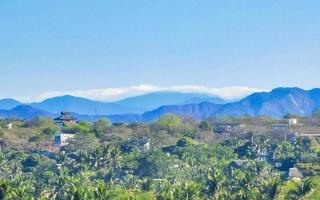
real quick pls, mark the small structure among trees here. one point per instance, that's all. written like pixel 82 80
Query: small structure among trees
pixel 64 119
pixel 62 139
pixel 294 174
pixel 226 127
pixel 140 144
pixel 293 121
pixel 236 164
pixel 9 126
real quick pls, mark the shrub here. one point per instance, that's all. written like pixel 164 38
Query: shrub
pixel 185 141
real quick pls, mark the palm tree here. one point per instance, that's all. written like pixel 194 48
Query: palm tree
pixel 5 187
pixel 80 193
pixel 60 185
pixel 115 158
pixel 299 192
pixel 167 191
pixel 263 146
pixel 20 189
pixel 188 191
pixel 220 194
pixel 269 188
pixel 243 185
pixel 101 191
pixel 215 179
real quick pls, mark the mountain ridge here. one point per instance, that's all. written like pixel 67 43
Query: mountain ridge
pixel 8 103
pixel 276 103
pixel 136 105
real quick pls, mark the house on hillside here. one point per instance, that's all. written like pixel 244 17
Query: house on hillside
pixel 294 174
pixel 236 164
pixel 226 127
pixel 284 130
pixel 293 121
pixel 62 139
pixel 64 119
pixel 10 126
pixel 140 144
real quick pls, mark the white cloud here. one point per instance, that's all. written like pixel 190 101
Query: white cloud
pixel 113 94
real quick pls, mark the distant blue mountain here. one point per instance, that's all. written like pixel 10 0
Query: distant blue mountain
pixel 24 112
pixel 154 100
pixel 124 118
pixel 83 106
pixel 7 104
pixel 135 105
pixel 276 103
pixel 196 111
pixel 214 100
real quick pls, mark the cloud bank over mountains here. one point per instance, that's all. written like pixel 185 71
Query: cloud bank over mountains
pixel 114 94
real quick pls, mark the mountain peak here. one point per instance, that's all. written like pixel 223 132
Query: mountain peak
pixel 26 108
pixel 8 103
pixel 287 90
pixel 275 103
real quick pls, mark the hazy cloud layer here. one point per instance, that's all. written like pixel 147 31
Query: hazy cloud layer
pixel 113 94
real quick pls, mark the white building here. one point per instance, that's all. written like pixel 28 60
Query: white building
pixel 294 174
pixel 293 121
pixel 62 139
pixel 9 126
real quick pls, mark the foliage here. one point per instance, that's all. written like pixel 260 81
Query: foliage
pixel 39 122
pixel 205 125
pixel 185 141
pixel 1 132
pixel 158 161
pixel 82 127
pixel 100 126
pixel 170 122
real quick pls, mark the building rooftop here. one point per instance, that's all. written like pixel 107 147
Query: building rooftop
pixel 65 116
pixel 280 126
pixel 232 124
pixel 295 173
pixel 238 163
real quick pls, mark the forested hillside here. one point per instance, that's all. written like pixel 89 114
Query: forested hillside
pixel 171 158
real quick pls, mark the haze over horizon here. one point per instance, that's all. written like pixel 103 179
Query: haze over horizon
pixel 82 47
pixel 228 94
pixel 115 94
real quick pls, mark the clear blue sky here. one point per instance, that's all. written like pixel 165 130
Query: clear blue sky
pixel 50 45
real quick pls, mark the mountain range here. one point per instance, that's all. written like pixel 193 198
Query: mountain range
pixel 136 105
pixel 276 103
pixel 24 112
pixel 7 104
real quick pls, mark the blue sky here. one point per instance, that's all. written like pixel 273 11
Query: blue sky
pixel 48 45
